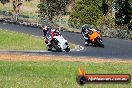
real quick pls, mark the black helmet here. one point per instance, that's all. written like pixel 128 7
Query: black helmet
pixel 83 28
pixel 86 26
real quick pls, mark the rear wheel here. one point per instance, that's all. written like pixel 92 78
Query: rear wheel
pixel 55 46
pixel 99 43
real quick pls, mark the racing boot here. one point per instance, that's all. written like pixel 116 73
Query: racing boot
pixel 86 43
pixel 49 47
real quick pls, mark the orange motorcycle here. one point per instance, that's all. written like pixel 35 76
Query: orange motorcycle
pixel 95 39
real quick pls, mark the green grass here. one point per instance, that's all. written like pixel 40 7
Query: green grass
pixel 56 74
pixel 10 40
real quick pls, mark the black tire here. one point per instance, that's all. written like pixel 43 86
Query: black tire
pixel 55 46
pixel 49 49
pixel 67 49
pixel 81 80
pixel 99 43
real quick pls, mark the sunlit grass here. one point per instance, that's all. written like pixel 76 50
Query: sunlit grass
pixel 10 40
pixel 56 74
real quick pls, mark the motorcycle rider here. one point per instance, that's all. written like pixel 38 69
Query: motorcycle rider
pixel 45 30
pixel 48 34
pixel 86 29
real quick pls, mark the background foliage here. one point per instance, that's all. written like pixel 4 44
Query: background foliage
pixel 4 1
pixel 51 8
pixel 86 11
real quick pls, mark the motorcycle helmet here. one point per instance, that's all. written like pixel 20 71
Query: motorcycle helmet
pixel 83 28
pixel 55 32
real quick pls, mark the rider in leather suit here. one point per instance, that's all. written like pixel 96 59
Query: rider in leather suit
pixel 85 30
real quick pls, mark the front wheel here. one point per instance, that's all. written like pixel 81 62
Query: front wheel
pixel 67 49
pixel 99 41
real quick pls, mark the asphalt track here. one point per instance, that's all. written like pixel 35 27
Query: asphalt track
pixel 114 48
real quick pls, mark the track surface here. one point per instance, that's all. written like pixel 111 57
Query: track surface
pixel 114 48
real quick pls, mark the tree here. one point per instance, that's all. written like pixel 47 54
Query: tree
pixel 123 14
pixel 51 8
pixel 4 1
pixel 28 0
pixel 105 7
pixel 86 11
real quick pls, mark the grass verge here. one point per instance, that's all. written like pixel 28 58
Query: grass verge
pixel 10 40
pixel 56 74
